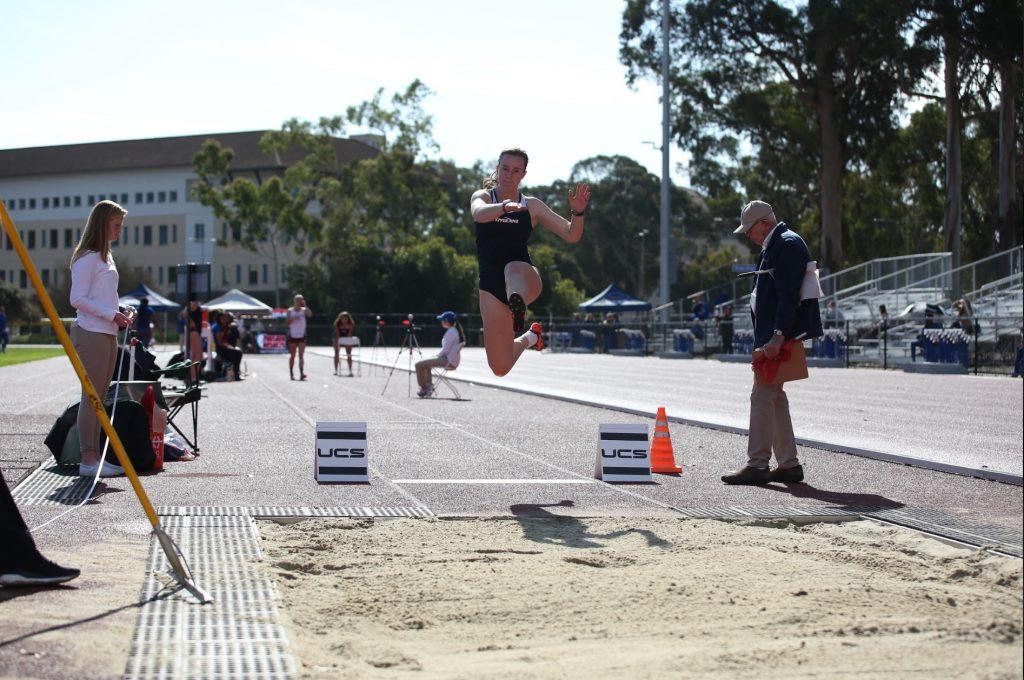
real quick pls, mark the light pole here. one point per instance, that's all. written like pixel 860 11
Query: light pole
pixel 642 289
pixel 663 289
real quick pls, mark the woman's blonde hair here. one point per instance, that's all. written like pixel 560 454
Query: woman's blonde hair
pixel 344 315
pixel 94 237
pixel 491 180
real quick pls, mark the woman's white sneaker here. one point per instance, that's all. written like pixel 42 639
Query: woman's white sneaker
pixel 109 470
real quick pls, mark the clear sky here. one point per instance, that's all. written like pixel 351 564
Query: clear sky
pixel 541 74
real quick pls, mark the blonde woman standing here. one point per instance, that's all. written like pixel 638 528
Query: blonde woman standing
pixel 94 332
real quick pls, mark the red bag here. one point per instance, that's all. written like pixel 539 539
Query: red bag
pixel 157 423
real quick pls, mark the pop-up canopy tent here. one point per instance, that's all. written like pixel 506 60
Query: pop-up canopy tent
pixel 157 302
pixel 238 302
pixel 614 299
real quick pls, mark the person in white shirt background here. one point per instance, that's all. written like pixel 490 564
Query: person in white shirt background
pixel 448 357
pixel 297 316
pixel 94 331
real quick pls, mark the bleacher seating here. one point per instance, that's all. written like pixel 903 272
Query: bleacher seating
pixel 683 340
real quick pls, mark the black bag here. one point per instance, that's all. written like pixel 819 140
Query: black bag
pixel 145 364
pixel 131 423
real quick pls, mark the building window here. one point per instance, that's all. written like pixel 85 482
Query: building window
pixel 54 242
pixel 138 197
pixel 200 231
pixel 46 201
pixel 264 273
pixel 32 239
pixel 101 197
pixel 78 235
pixel 78 201
pixel 174 196
pixel 236 232
pixel 3 275
pixel 223 231
pixel 238 273
pixel 22 279
pixel 67 201
pixel 44 241
pixel 172 275
pixel 136 234
pixel 174 233
pixel 254 276
pixel 92 200
pixel 32 203
pixel 149 197
pixel 147 235
pixel 46 277
pixel 68 236
pixel 124 199
pixel 55 202
pixel 161 197
pixel 163 235
pixel 21 204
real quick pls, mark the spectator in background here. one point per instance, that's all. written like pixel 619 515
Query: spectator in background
pixel 964 315
pixel 725 328
pixel 451 346
pixel 144 323
pixel 194 342
pixel 929 320
pixel 700 309
pixel 4 338
pixel 224 339
pixel 297 315
pixel 344 336
pixel 833 315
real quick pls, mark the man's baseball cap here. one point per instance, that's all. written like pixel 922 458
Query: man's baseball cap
pixel 446 316
pixel 752 212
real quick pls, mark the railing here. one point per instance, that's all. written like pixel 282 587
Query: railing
pixel 848 278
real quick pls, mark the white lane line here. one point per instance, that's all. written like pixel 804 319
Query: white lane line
pixel 517 452
pixel 43 401
pixel 312 423
pixel 494 481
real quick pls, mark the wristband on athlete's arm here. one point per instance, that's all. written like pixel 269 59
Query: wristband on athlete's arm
pixel 504 205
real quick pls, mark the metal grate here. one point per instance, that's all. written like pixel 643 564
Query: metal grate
pixel 54 485
pixel 260 512
pixel 239 635
pixel 1003 539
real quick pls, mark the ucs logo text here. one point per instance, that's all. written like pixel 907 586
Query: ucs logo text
pixel 623 453
pixel 341 453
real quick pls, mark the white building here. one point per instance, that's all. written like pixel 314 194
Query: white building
pixel 50 190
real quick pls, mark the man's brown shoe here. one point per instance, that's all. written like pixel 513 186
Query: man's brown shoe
pixel 789 475
pixel 748 476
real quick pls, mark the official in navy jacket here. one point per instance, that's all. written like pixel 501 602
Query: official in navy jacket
pixel 778 315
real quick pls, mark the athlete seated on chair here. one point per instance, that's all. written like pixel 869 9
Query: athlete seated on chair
pixel 448 357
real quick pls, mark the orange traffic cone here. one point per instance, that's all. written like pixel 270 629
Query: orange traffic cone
pixel 662 460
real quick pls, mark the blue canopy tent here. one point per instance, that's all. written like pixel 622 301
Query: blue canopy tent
pixel 614 299
pixel 157 302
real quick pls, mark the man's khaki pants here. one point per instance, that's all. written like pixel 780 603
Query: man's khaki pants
pixel 770 428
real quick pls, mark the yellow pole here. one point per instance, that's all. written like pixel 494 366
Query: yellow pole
pixel 76 362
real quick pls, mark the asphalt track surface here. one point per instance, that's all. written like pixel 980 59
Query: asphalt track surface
pixel 968 421
pixel 499 453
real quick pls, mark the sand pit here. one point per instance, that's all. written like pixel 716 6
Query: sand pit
pixel 640 598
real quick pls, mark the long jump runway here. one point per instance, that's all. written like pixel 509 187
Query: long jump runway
pixel 495 454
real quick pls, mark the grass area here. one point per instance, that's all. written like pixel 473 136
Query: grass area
pixel 21 355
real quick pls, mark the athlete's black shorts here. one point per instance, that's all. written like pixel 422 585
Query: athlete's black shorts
pixel 492 277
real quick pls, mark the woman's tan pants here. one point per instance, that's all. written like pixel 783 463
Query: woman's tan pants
pixel 98 352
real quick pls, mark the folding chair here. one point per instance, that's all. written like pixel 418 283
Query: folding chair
pixel 439 376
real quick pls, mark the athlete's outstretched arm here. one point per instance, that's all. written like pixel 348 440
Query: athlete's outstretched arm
pixel 569 230
pixel 485 211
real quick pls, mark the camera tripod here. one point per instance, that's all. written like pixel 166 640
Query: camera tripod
pixel 378 343
pixel 408 342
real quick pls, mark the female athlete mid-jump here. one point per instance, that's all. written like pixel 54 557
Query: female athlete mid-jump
pixel 504 220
